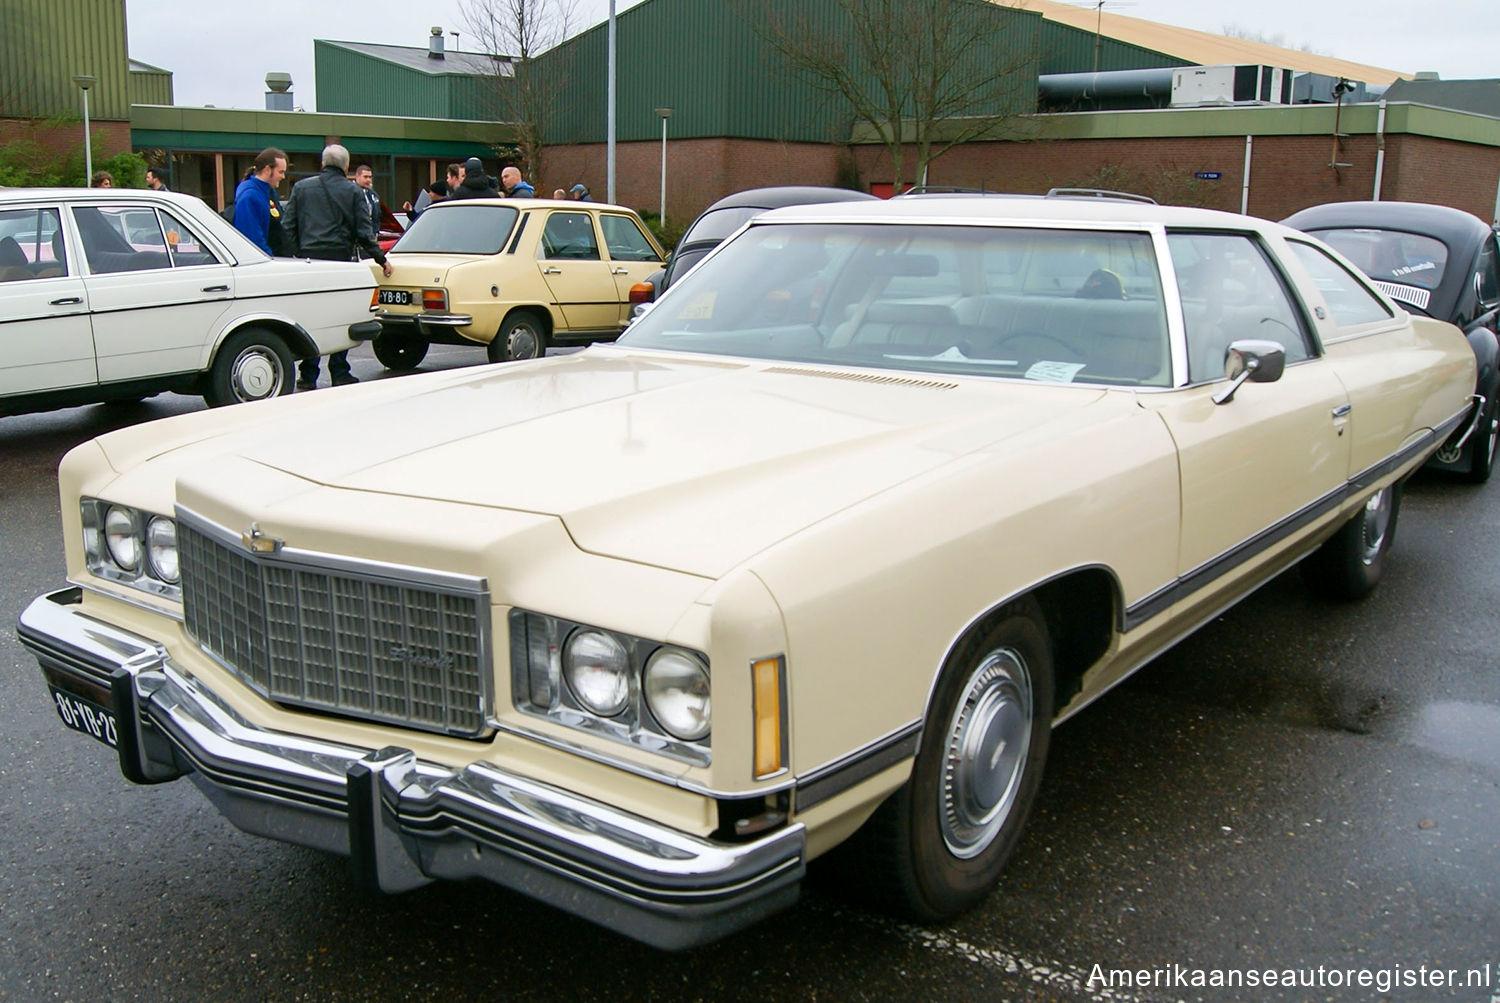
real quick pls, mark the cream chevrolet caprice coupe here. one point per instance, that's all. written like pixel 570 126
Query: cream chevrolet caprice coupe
pixel 823 548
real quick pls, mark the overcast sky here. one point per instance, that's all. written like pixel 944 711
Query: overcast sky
pixel 218 58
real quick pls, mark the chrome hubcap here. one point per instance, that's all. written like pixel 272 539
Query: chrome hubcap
pixel 256 374
pixel 1377 520
pixel 985 752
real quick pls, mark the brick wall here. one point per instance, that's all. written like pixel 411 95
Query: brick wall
pixel 109 138
pixel 1287 173
pixel 699 171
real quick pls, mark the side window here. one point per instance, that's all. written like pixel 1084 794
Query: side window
pixel 1349 300
pixel 31 245
pixel 121 239
pixel 183 245
pixel 625 240
pixel 1230 293
pixel 1489 274
pixel 569 236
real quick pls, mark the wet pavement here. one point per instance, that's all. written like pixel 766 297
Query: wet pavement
pixel 1299 786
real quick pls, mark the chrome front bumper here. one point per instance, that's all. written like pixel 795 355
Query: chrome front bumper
pixel 404 822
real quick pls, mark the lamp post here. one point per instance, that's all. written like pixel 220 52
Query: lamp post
pixel 665 114
pixel 84 82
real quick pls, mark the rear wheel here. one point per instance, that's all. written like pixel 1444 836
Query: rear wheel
pixel 1350 563
pixel 251 365
pixel 522 335
pixel 400 352
pixel 945 836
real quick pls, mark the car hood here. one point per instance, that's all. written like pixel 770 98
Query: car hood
pixel 674 461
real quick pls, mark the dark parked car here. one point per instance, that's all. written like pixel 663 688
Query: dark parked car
pixel 724 217
pixel 1434 261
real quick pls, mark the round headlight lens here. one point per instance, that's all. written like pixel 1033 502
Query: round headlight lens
pixel 597 671
pixel 122 537
pixel 161 548
pixel 677 692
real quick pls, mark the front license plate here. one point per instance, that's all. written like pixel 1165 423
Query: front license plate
pixel 395 297
pixel 85 716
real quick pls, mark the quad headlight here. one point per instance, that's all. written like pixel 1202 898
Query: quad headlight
pixel 132 547
pixel 629 689
pixel 597 671
pixel 676 685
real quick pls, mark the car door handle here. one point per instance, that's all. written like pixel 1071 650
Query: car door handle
pixel 216 289
pixel 1342 411
pixel 622 271
pixel 549 270
pixel 67 301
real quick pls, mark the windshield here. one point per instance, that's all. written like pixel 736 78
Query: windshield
pixel 1049 305
pixel 459 229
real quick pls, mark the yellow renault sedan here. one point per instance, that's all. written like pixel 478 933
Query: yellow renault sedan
pixel 512 275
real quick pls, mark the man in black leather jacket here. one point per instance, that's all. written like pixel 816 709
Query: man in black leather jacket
pixel 327 218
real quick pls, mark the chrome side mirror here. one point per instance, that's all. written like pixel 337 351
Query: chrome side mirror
pixel 1250 359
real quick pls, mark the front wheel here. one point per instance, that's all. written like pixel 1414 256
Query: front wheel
pixel 522 335
pixel 1482 444
pixel 1350 563
pixel 399 352
pixel 945 836
pixel 251 365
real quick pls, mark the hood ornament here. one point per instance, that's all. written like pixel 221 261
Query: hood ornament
pixel 259 543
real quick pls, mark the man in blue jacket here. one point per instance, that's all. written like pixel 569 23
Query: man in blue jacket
pixel 255 198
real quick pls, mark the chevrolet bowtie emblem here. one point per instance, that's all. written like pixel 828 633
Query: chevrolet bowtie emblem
pixel 259 543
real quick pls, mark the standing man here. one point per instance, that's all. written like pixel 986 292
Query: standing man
pixel 326 219
pixel 516 186
pixel 475 184
pixel 156 179
pixel 364 176
pixel 256 196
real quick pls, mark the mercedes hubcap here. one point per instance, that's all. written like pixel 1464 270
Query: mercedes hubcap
pixel 256 375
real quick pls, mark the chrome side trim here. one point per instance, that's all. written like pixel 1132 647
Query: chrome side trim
pixel 1217 567
pixel 403 821
pixel 832 779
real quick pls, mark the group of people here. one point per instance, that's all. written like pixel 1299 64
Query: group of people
pixel 327 216
pixel 468 180
pixel 155 179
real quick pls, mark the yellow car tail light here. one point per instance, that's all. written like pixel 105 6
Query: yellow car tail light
pixel 434 299
pixel 770 734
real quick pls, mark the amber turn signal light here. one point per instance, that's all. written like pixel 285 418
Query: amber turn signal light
pixel 434 299
pixel 642 292
pixel 770 737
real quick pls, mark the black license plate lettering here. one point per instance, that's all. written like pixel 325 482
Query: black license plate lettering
pixel 86 716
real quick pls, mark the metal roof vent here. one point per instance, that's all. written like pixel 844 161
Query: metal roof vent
pixel 278 92
pixel 435 43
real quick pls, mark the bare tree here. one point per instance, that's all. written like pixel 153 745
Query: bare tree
pixel 924 74
pixel 1277 39
pixel 524 91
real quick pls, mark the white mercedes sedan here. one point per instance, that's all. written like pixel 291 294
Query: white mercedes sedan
pixel 109 294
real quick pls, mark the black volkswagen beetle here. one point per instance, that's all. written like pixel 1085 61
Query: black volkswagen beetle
pixel 724 217
pixel 1436 262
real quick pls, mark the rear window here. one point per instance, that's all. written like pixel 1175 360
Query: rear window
pixel 459 229
pixel 1411 259
pixel 719 224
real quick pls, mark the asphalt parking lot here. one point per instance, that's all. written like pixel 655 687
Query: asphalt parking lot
pixel 1300 788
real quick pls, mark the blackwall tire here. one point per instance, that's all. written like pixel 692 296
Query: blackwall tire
pixel 943 839
pixel 399 353
pixel 251 365
pixel 1350 564
pixel 522 335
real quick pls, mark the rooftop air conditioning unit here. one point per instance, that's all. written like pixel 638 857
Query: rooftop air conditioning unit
pixel 1220 85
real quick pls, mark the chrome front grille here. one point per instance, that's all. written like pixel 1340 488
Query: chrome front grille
pixel 326 633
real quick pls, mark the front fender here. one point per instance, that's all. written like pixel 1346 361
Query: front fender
pixel 1486 347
